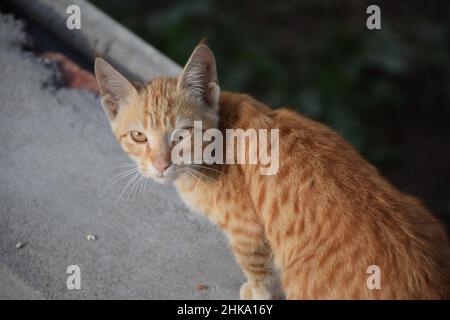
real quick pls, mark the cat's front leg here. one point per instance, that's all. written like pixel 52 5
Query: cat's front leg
pixel 253 254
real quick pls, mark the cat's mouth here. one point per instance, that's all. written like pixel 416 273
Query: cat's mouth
pixel 164 179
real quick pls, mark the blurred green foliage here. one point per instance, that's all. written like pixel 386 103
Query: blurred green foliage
pixel 386 91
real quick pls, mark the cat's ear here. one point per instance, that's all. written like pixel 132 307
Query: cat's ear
pixel 199 77
pixel 115 89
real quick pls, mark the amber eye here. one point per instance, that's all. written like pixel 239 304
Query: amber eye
pixel 138 136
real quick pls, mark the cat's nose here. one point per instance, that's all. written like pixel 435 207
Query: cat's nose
pixel 161 166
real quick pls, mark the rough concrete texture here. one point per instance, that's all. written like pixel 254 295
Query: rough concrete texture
pixel 57 155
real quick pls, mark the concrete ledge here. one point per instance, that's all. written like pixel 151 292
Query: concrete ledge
pixel 99 36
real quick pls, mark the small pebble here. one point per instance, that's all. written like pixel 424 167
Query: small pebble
pixel 201 287
pixel 91 237
pixel 20 245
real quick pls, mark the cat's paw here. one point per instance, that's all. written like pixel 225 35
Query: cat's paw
pixel 254 291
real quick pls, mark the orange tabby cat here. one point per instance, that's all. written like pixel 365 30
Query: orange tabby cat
pixel 323 219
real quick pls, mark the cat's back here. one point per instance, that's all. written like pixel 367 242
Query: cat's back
pixel 336 187
pixel 393 228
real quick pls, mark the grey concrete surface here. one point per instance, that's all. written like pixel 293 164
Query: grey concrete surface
pixel 57 155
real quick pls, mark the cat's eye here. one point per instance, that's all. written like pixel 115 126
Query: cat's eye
pixel 137 136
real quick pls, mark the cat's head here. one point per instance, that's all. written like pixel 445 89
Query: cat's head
pixel 144 120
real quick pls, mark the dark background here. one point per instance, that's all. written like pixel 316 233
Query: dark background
pixel 386 91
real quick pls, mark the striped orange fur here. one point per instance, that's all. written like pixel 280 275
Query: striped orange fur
pixel 322 220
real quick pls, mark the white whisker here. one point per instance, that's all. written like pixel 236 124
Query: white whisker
pixel 193 174
pixel 132 190
pixel 187 179
pixel 118 177
pixel 144 184
pixel 125 166
pixel 204 175
pixel 132 179
pixel 208 168
pixel 141 182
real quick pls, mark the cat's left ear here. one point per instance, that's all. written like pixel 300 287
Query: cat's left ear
pixel 199 77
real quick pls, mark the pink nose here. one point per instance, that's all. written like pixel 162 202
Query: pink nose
pixel 161 166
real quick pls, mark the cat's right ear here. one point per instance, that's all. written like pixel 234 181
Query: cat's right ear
pixel 115 89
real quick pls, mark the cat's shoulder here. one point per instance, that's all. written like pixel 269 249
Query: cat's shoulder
pixel 245 111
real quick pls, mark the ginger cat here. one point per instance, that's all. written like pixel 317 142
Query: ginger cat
pixel 322 220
